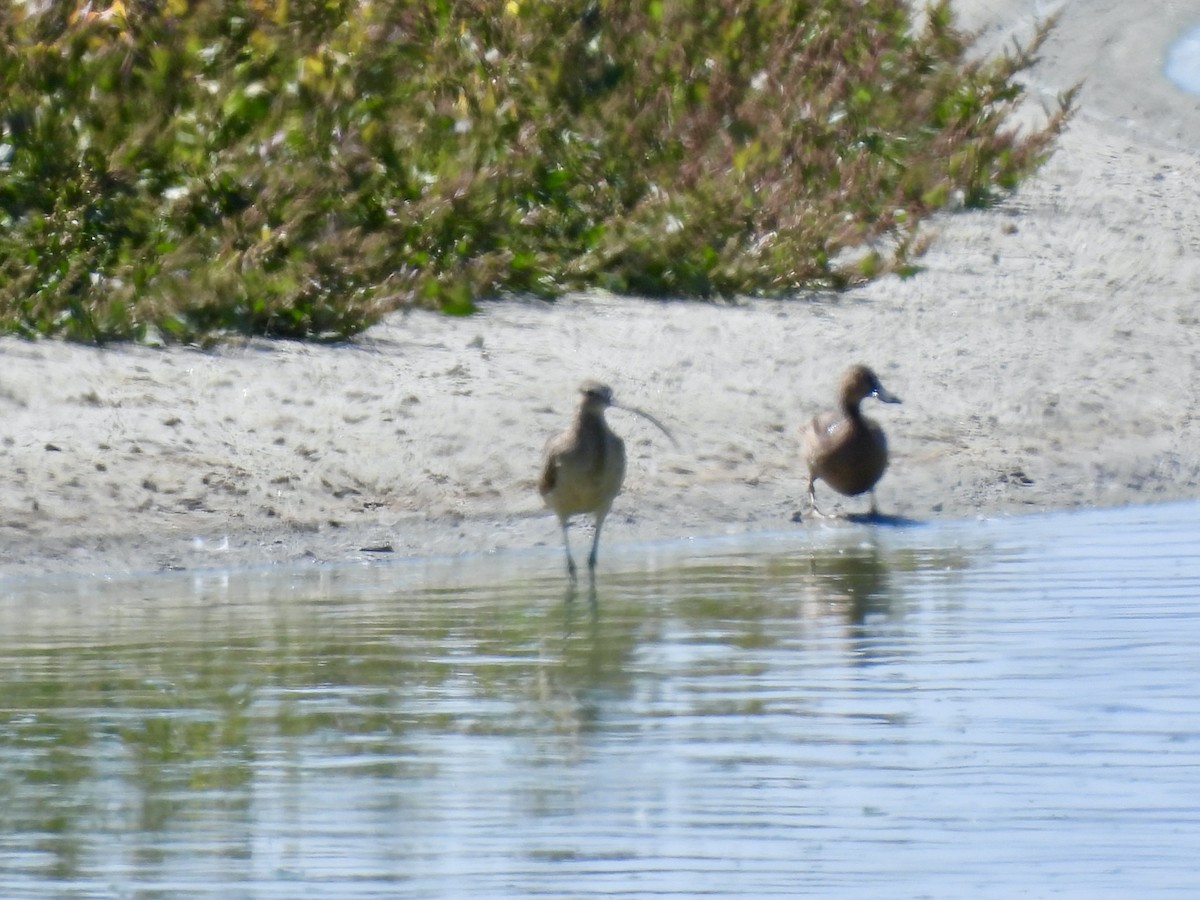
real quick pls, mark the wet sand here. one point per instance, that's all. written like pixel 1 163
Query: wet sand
pixel 1047 355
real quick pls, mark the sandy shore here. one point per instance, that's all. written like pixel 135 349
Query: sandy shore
pixel 1047 355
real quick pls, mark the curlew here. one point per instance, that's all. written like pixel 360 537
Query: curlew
pixel 584 466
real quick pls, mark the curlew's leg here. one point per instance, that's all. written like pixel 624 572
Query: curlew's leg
pixel 567 547
pixel 596 543
pixel 812 497
pixel 874 508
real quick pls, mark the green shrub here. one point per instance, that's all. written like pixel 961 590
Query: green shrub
pixel 299 168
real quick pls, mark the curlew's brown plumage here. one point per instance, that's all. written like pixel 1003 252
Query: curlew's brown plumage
pixel 584 466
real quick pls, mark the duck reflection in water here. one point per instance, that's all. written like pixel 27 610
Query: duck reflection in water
pixel 856 581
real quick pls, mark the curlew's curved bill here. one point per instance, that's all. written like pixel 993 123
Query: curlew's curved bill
pixel 649 418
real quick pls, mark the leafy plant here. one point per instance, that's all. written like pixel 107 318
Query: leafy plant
pixel 299 168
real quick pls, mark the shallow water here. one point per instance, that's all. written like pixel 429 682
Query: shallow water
pixel 994 709
pixel 1182 64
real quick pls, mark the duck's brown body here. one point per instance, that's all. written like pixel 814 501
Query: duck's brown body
pixel 844 448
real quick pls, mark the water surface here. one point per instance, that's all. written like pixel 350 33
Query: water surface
pixel 1182 64
pixel 990 709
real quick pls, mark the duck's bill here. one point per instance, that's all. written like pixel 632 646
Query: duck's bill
pixel 649 418
pixel 885 396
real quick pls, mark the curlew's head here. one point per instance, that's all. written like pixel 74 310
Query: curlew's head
pixel 595 396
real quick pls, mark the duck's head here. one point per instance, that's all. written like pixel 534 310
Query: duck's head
pixel 859 383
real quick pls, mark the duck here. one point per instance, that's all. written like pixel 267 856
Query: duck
pixel 844 448
pixel 583 467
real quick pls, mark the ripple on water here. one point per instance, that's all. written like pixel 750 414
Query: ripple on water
pixel 994 708
pixel 1182 65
